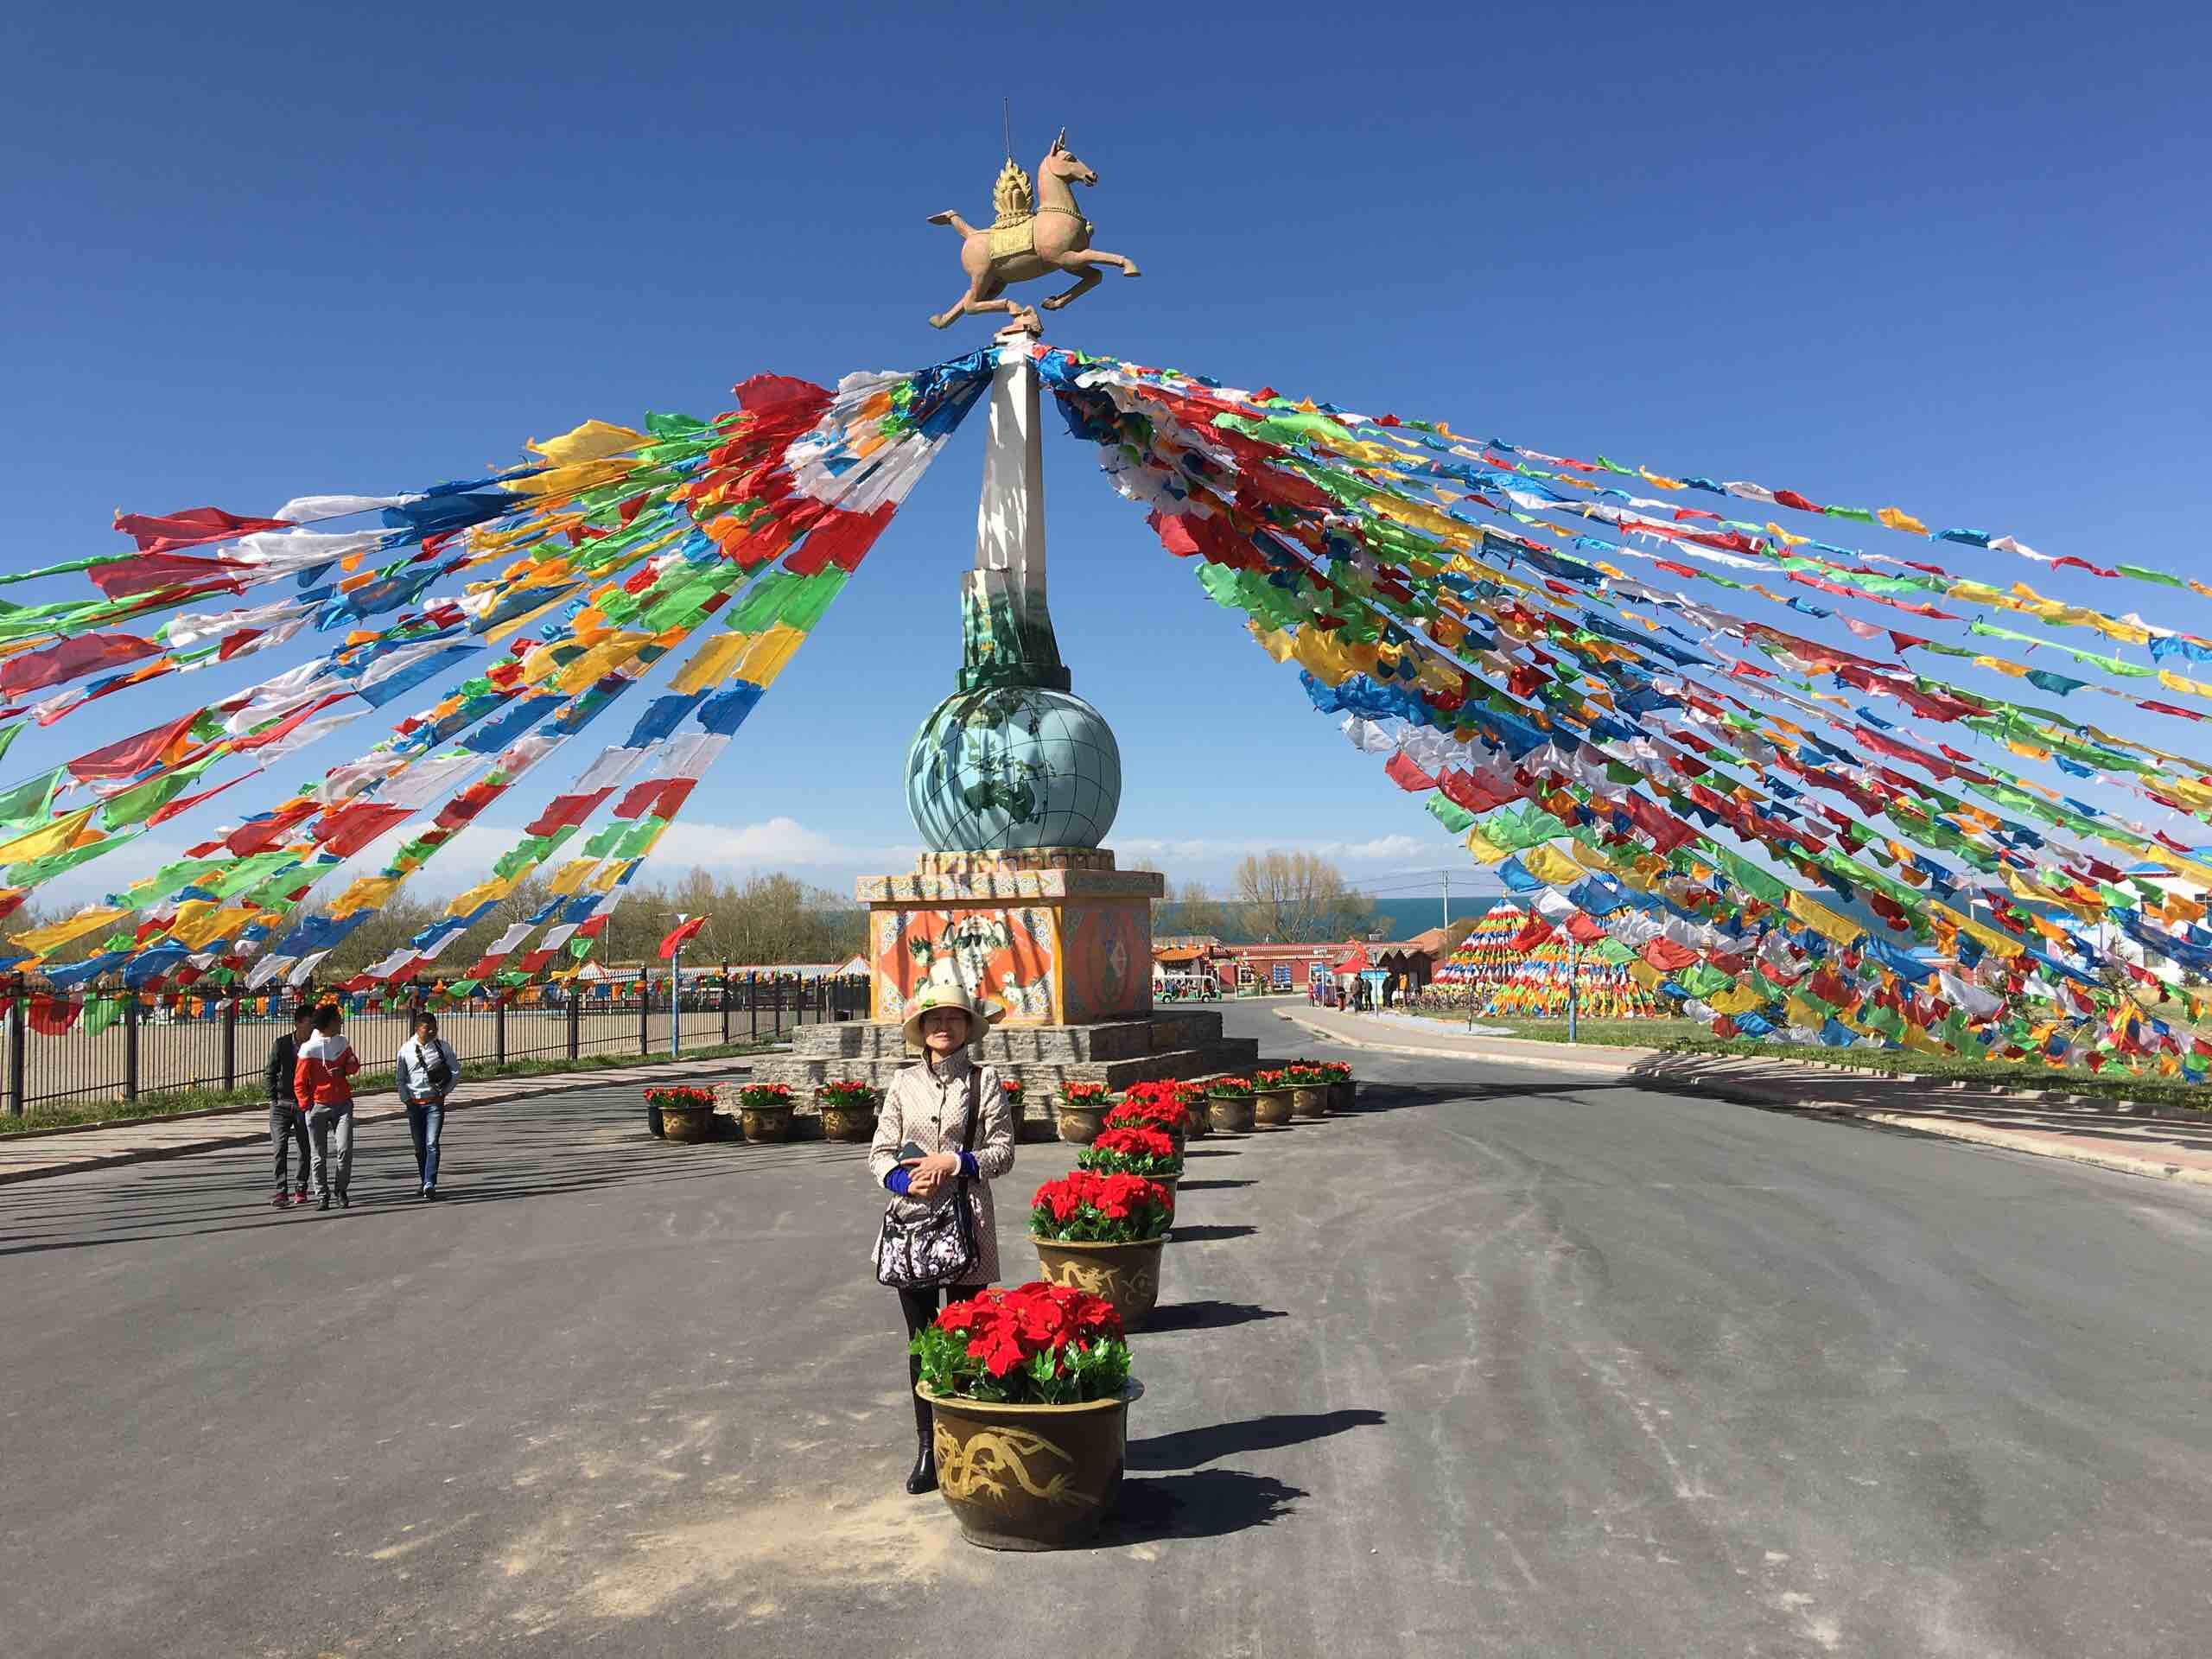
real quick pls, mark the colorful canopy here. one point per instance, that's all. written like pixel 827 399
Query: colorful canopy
pixel 1730 748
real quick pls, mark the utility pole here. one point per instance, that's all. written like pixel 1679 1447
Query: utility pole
pixel 1447 874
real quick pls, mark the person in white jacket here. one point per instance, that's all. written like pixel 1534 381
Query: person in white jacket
pixel 429 1069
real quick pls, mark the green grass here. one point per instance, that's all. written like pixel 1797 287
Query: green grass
pixel 177 1102
pixel 1690 1037
pixel 1992 1074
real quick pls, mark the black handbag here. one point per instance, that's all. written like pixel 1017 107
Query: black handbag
pixel 939 1247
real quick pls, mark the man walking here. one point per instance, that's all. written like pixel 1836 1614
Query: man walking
pixel 288 1122
pixel 429 1068
pixel 321 1075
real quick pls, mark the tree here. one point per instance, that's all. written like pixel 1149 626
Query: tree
pixel 1197 911
pixel 1298 898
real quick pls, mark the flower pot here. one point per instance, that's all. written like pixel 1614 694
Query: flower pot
pixel 1271 1107
pixel 1168 1181
pixel 654 1127
pixel 1080 1124
pixel 1310 1101
pixel 764 1124
pixel 1201 1124
pixel 1340 1094
pixel 1029 1477
pixel 848 1122
pixel 686 1122
pixel 1126 1275
pixel 1230 1114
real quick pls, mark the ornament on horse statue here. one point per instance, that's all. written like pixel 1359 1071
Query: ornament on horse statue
pixel 1030 238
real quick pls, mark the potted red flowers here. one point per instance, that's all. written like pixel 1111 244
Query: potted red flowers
pixel 765 1108
pixel 679 1113
pixel 1155 1106
pixel 1145 1151
pixel 1193 1096
pixel 848 1108
pixel 1342 1089
pixel 1083 1107
pixel 1271 1098
pixel 1228 1104
pixel 1029 1394
pixel 1102 1234
pixel 1309 1088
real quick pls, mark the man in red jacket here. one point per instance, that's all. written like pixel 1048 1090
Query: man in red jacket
pixel 327 1061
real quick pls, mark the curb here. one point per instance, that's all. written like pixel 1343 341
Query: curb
pixel 2036 1143
pixel 255 1138
pixel 1592 1065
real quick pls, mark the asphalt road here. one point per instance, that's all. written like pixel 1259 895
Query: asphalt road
pixel 1501 1364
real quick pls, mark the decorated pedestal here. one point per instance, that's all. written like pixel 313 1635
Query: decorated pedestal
pixel 1056 935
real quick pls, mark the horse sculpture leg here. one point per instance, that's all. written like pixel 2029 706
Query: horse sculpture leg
pixel 971 306
pixel 1099 256
pixel 1087 279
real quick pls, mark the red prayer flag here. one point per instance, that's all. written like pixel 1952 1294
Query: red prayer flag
pixel 678 935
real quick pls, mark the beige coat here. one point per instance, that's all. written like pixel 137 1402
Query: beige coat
pixel 931 1111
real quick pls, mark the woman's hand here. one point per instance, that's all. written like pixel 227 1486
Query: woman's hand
pixel 931 1175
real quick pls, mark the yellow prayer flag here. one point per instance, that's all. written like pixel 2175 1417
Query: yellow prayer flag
pixel 1822 920
pixel 1898 519
pixel 769 651
pixel 57 835
pixel 43 941
pixel 710 665
pixel 592 441
pixel 367 893
pixel 1484 849
pixel 1551 867
pixel 571 876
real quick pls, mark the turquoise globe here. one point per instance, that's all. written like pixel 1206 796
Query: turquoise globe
pixel 1010 765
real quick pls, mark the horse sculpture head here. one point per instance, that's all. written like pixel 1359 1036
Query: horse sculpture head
pixel 1063 163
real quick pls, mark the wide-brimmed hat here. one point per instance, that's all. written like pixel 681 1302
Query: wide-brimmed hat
pixel 942 994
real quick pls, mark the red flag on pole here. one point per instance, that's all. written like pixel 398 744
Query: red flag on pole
pixel 685 927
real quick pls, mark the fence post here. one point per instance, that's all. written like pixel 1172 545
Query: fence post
pixel 575 1007
pixel 130 1044
pixel 777 1030
pixel 725 1005
pixel 645 1018
pixel 499 1029
pixel 752 1005
pixel 15 1031
pixel 230 1041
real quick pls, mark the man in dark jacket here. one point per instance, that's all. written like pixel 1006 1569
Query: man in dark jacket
pixel 288 1121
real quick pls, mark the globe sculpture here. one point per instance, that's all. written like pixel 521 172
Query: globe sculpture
pixel 1013 766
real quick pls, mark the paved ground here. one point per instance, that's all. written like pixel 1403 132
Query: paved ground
pixel 40 1156
pixel 1513 1363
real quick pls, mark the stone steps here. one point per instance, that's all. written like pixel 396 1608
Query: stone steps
pixel 1039 1080
pixel 1015 1046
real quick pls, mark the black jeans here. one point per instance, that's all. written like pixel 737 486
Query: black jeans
pixel 920 1307
pixel 288 1129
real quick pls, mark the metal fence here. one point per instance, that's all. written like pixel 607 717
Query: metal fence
pixel 125 1044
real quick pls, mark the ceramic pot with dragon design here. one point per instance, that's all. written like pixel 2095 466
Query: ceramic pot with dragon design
pixel 1126 1275
pixel 1028 1477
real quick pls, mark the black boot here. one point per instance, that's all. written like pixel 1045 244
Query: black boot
pixel 922 1477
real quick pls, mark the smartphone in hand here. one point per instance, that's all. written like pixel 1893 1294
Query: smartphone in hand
pixel 911 1154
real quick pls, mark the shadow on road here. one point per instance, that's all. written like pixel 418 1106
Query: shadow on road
pixel 1206 1234
pixel 1209 1187
pixel 1207 1316
pixel 1187 1448
pixel 1206 1503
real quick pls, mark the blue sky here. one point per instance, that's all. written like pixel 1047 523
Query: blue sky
pixel 1952 258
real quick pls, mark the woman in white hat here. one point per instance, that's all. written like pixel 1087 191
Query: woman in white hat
pixel 926 1112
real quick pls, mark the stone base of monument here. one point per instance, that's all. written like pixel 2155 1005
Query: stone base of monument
pixel 1116 1053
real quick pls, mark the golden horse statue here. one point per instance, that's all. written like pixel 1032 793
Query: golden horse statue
pixel 1030 238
